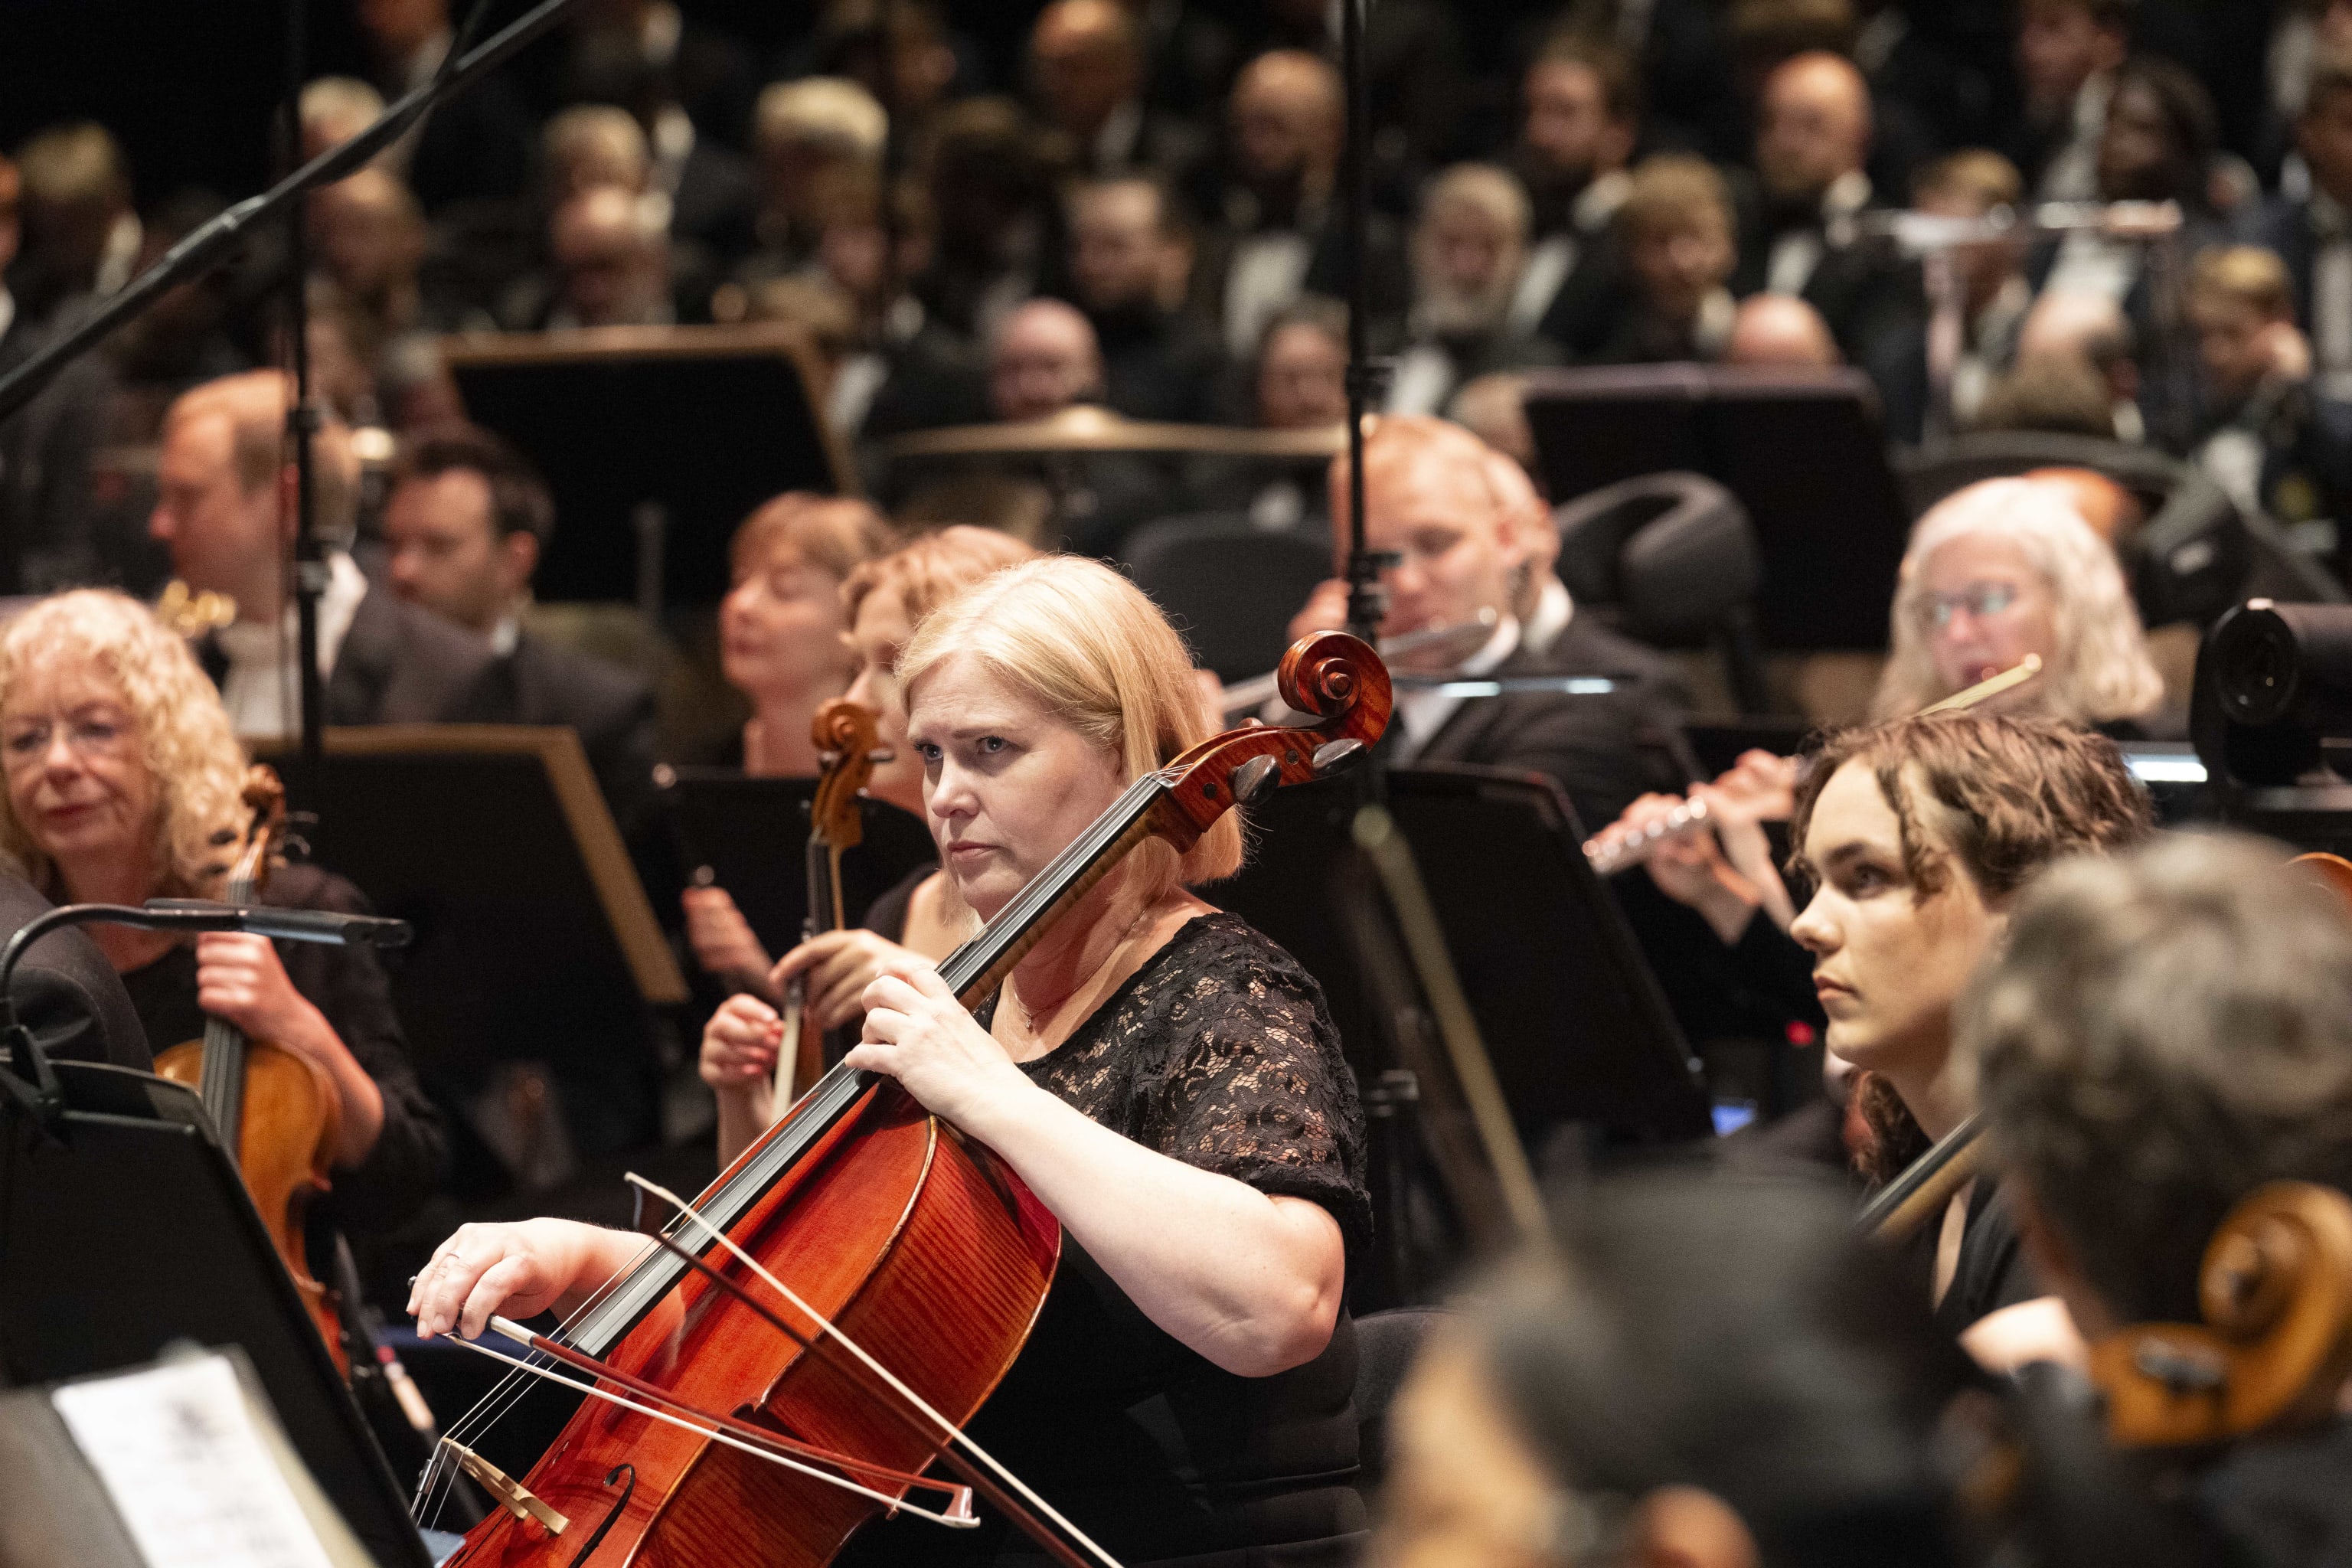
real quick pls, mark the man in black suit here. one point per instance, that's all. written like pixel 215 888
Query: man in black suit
pixel 47 526
pixel 1130 269
pixel 466 521
pixel 223 509
pixel 1582 123
pixel 2313 235
pixel 1813 141
pixel 1466 524
pixel 66 993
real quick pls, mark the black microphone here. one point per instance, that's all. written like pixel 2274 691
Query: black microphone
pixel 325 926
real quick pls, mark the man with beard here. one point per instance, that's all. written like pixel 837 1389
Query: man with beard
pixel 1131 268
pixel 1469 252
pixel 1812 139
pixel 1277 232
pixel 1583 118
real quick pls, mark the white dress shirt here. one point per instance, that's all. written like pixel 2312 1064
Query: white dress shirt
pixel 261 692
pixel 1423 713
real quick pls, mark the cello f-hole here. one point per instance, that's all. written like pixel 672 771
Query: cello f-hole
pixel 628 1490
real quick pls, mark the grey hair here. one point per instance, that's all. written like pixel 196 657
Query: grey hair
pixel 2101 669
pixel 2164 1031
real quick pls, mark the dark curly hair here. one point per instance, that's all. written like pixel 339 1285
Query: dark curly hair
pixel 1998 797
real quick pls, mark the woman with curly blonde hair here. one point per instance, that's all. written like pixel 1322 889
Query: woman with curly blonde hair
pixel 123 782
pixel 2006 568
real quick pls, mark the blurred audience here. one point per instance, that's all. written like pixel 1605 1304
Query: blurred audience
pixel 1675 225
pixel 1130 271
pixel 1469 251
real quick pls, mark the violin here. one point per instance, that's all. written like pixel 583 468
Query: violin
pixel 800 1341
pixel 2276 1289
pixel 275 1108
pixel 843 732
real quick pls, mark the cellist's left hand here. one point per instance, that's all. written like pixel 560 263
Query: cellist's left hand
pixel 917 1032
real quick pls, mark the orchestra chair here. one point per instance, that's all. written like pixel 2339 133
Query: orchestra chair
pixel 1229 587
pixel 1387 1343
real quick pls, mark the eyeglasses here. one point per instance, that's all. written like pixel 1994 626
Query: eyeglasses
pixel 26 742
pixel 1980 600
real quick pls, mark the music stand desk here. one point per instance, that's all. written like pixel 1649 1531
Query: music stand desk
pixel 132 1230
pixel 703 422
pixel 1801 449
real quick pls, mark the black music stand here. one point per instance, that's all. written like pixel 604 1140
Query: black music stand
pixel 1802 450
pixel 131 1230
pixel 699 424
pixel 753 834
pixel 1570 1013
pixel 534 937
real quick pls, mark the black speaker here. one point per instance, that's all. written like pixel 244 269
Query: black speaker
pixel 2274 682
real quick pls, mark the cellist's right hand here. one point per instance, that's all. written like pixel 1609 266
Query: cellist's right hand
pixel 517 1270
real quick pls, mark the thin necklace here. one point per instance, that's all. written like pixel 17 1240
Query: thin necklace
pixel 1029 1019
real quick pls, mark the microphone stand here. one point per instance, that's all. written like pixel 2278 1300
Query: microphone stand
pixel 211 244
pixel 302 429
pixel 1366 603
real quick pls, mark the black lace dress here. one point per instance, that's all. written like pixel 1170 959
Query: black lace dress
pixel 1217 1052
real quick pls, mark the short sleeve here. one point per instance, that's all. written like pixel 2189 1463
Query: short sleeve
pixel 1256 1087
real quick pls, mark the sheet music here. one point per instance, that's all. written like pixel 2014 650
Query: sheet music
pixel 177 1452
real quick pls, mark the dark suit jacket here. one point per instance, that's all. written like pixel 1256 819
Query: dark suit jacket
pixel 398 665
pixel 611 709
pixel 48 525
pixel 66 992
pixel 1603 750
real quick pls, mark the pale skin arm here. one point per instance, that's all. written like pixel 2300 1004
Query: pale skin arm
pixel 240 981
pixel 1251 1282
pixel 740 1042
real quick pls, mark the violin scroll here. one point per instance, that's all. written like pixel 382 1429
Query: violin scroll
pixel 1335 677
pixel 844 734
pixel 2277 1343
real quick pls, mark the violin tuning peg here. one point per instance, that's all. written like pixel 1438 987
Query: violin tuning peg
pixel 1254 778
pixel 1333 755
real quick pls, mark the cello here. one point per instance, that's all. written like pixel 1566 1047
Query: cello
pixel 843 732
pixel 275 1108
pixel 903 1266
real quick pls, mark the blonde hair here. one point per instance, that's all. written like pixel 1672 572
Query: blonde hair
pixel 2100 669
pixel 1089 646
pixel 184 733
pixel 928 571
pixel 2247 275
pixel 835 534
pixel 828 112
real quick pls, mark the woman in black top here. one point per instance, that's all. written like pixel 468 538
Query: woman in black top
pixel 123 781
pixel 1165 1080
pixel 1916 834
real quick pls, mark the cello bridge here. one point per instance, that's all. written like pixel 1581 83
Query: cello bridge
pixel 508 1492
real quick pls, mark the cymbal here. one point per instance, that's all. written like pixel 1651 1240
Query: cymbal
pixel 1087 429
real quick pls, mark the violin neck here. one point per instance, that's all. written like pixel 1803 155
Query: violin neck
pixel 222 1083
pixel 824 911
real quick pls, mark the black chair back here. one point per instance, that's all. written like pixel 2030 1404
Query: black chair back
pixel 1230 588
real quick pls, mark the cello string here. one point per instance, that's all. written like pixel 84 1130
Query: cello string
pixel 948 1429
pixel 716 1435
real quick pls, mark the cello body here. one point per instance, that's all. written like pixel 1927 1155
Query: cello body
pixel 921 1247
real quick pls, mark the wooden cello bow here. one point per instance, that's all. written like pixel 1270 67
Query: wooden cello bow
pixel 859 1280
pixel 277 1109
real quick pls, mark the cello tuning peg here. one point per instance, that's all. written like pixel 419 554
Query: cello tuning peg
pixel 1333 755
pixel 1253 778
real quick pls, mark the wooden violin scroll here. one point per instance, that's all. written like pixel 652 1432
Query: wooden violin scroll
pixel 2277 1343
pixel 1335 678
pixel 845 735
pixel 2330 871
